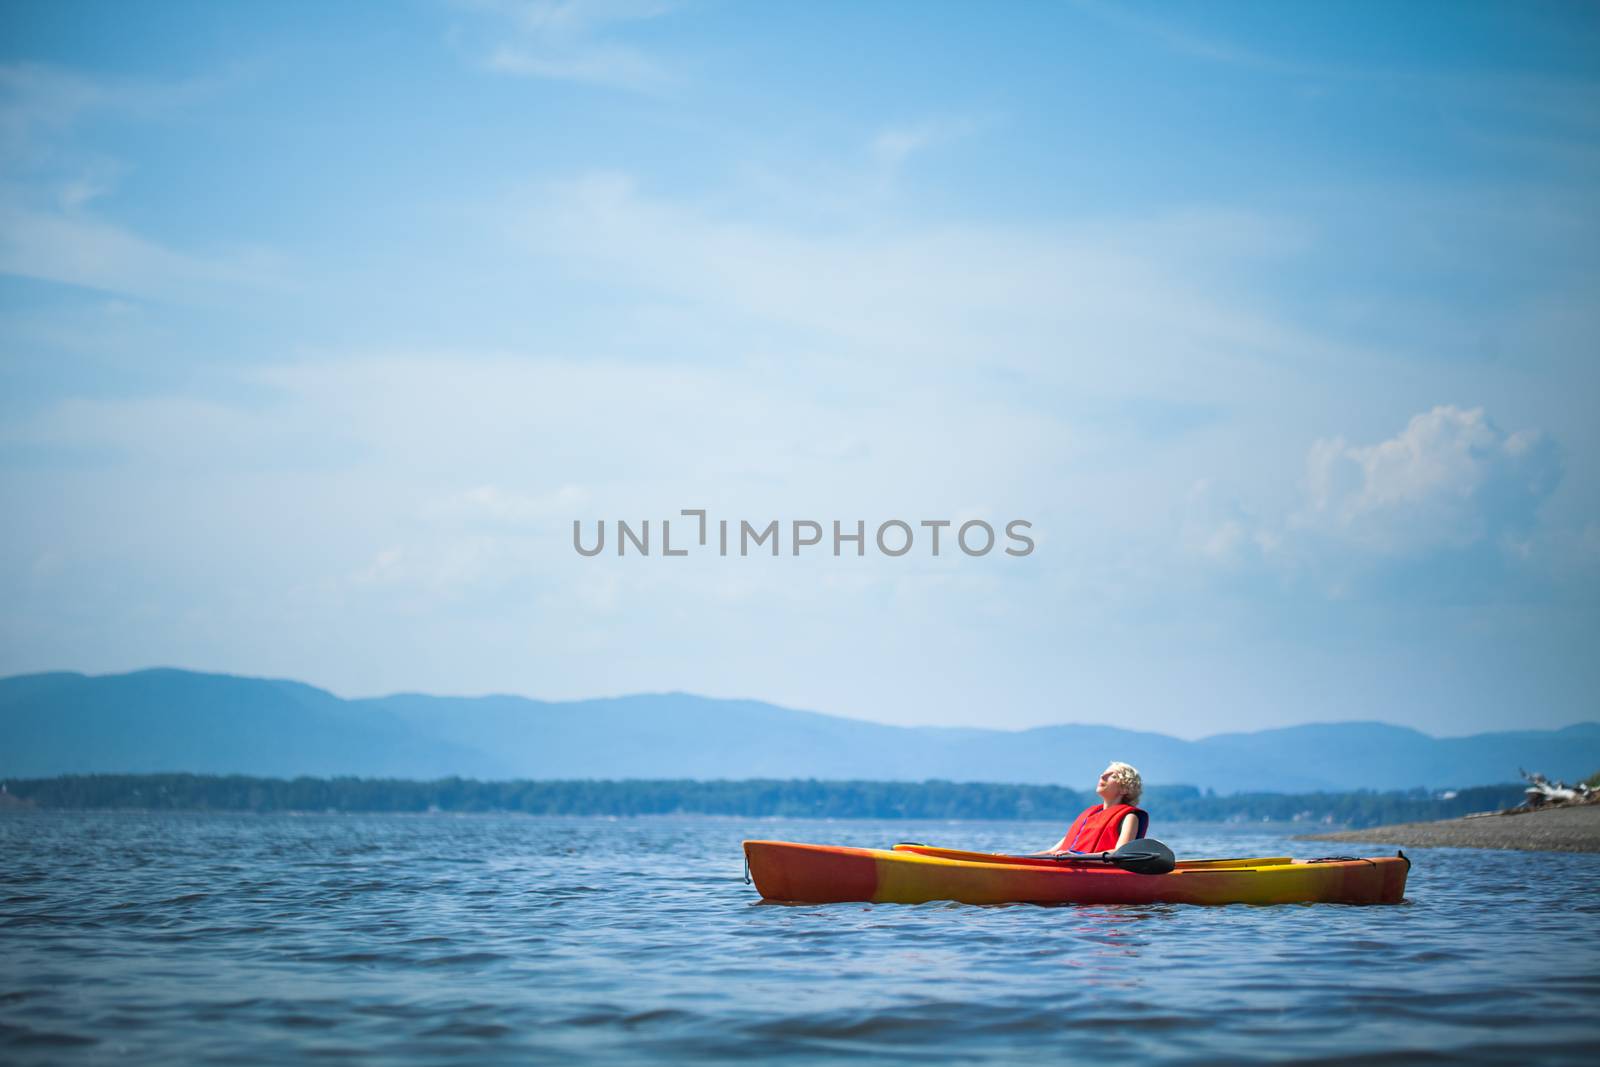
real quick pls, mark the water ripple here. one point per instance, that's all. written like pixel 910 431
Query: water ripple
pixel 159 938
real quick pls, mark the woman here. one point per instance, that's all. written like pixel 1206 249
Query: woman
pixel 1112 823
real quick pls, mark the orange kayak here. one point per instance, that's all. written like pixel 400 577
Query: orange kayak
pixel 825 874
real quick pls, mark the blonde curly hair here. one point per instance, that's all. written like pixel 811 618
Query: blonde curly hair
pixel 1128 778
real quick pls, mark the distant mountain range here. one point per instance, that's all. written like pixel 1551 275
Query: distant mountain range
pixel 172 720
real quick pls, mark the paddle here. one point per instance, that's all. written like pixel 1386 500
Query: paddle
pixel 1143 855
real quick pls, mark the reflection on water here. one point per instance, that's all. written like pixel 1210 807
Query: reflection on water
pixel 486 939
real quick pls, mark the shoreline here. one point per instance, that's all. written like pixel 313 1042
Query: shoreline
pixel 1566 829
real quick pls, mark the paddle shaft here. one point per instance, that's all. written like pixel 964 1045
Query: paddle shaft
pixel 1143 855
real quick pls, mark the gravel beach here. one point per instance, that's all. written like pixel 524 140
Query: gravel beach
pixel 1575 829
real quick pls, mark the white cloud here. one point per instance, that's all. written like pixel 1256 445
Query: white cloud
pixel 1450 486
pixel 1449 480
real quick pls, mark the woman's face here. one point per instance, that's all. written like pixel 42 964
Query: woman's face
pixel 1110 789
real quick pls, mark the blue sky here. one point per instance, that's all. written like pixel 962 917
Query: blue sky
pixel 319 324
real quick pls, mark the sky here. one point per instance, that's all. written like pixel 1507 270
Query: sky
pixel 320 325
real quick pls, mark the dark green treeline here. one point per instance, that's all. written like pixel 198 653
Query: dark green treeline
pixel 758 797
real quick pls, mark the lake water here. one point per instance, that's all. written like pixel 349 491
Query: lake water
pixel 164 938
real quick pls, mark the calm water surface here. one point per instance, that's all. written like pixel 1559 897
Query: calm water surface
pixel 159 938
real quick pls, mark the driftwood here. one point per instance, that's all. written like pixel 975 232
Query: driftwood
pixel 1542 792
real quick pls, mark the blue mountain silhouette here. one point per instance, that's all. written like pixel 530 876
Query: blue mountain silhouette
pixel 174 720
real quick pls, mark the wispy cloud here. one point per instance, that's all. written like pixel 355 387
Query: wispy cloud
pixel 39 100
pixel 49 229
pixel 573 40
pixel 96 180
pixel 70 248
pixel 39 103
pixel 895 144
pixel 893 147
pixel 1178 39
pixel 1069 304
pixel 499 506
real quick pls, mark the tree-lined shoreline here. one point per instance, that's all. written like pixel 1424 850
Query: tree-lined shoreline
pixel 794 798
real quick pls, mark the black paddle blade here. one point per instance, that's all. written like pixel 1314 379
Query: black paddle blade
pixel 1144 855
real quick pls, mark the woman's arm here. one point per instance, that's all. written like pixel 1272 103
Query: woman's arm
pixel 1130 827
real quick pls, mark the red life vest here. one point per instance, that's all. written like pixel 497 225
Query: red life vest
pixel 1099 827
